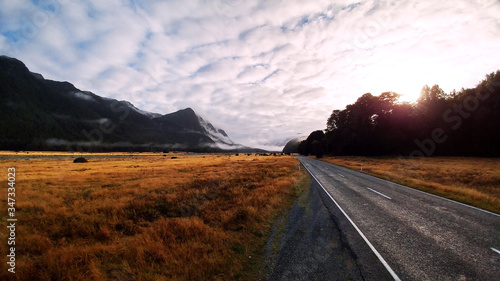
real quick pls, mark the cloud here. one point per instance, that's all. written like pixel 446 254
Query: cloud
pixel 261 70
pixel 84 96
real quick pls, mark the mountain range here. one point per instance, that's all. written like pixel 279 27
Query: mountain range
pixel 41 114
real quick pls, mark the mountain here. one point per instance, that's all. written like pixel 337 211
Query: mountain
pixel 274 145
pixel 277 142
pixel 293 145
pixel 40 114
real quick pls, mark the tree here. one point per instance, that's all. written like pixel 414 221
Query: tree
pixel 318 148
pixel 306 146
pixel 380 125
pixel 431 94
pixel 333 121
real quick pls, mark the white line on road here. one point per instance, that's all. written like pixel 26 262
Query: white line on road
pixel 341 175
pixel 386 265
pixel 380 193
pixel 420 191
pixel 495 250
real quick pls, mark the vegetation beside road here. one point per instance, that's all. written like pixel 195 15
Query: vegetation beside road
pixel 152 217
pixel 474 181
pixel 464 123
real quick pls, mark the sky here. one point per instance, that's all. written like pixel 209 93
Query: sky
pixel 262 70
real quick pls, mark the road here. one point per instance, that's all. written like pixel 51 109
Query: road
pixel 414 235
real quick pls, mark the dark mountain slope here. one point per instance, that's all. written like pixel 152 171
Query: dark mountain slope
pixel 292 146
pixel 183 126
pixel 41 114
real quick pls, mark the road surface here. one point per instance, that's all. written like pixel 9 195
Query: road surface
pixel 413 235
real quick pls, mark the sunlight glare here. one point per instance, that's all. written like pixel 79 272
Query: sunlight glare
pixel 407 80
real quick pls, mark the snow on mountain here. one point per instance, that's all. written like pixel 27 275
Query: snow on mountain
pixel 217 135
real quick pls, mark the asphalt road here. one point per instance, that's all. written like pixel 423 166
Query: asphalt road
pixel 414 235
pixel 306 244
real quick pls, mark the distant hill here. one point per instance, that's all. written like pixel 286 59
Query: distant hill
pixel 274 145
pixel 292 146
pixel 40 114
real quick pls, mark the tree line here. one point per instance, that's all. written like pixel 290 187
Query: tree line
pixel 460 123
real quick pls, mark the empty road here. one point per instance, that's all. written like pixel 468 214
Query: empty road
pixel 411 235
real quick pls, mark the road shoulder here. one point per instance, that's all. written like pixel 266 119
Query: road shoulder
pixel 306 244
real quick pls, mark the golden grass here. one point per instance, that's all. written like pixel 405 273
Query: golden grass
pixel 474 181
pixel 144 218
pixel 76 154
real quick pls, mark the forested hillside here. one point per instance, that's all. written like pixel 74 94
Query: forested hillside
pixel 463 123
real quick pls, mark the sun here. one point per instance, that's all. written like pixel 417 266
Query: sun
pixel 409 90
pixel 406 79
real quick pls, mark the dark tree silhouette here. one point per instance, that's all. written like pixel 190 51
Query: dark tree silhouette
pixel 306 146
pixel 466 123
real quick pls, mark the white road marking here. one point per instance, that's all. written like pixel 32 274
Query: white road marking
pixel 427 193
pixel 386 265
pixel 341 175
pixel 380 193
pixel 495 250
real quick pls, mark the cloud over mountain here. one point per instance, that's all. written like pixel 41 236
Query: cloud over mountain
pixel 270 69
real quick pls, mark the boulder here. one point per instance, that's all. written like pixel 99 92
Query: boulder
pixel 80 160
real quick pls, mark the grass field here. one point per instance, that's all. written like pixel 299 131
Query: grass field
pixel 474 181
pixel 147 217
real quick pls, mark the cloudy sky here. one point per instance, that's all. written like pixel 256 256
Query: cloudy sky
pixel 262 70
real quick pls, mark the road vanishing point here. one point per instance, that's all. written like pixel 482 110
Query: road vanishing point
pixel 400 233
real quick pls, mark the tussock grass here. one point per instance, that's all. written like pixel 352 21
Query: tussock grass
pixel 474 181
pixel 145 218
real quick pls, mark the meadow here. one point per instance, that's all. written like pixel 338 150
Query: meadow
pixel 146 216
pixel 474 181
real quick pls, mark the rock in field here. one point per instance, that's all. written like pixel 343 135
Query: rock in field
pixel 80 160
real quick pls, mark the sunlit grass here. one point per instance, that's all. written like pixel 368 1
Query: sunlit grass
pixel 474 181
pixel 145 218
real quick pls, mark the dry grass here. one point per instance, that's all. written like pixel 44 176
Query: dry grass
pixel 145 218
pixel 474 181
pixel 76 154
